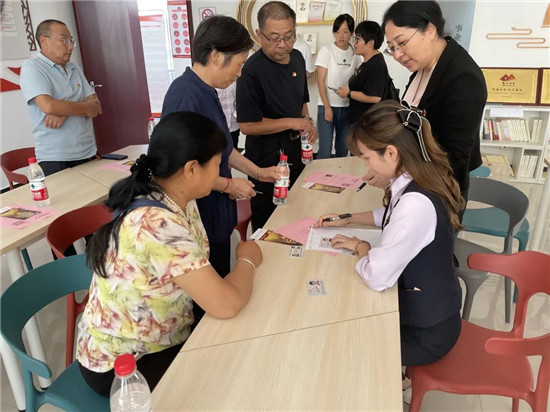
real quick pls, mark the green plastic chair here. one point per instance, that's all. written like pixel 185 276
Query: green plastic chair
pixel 21 301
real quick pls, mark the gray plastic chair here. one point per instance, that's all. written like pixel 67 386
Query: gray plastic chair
pixel 512 201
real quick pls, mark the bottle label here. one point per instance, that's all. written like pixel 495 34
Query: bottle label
pixel 39 190
pixel 280 191
pixel 307 151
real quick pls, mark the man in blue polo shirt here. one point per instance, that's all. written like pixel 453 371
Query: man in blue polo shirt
pixel 60 100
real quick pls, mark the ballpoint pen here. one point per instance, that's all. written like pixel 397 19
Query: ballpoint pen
pixel 363 185
pixel 332 219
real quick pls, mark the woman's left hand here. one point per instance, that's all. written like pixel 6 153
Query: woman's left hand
pixel 344 242
pixel 342 91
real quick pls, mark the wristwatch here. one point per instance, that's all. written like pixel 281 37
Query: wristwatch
pixel 349 94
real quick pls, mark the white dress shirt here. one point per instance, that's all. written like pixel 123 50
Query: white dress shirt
pixel 411 227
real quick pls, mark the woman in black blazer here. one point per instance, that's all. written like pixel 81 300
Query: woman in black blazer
pixel 446 82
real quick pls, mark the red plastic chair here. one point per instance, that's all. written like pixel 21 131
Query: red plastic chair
pixel 62 233
pixel 486 361
pixel 13 160
pixel 244 214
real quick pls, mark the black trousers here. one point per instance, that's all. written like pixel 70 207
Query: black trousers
pixel 220 255
pixel 421 346
pixel 51 167
pixel 264 151
pixel 152 367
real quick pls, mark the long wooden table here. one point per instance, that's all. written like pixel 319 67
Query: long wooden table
pixel 289 350
pixel 68 190
pixel 95 171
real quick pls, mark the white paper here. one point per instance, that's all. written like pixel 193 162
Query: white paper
pixel 506 112
pixel 302 11
pixel 316 11
pixel 318 237
pixel 332 10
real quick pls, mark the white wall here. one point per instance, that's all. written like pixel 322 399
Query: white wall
pixel 16 126
pixel 492 17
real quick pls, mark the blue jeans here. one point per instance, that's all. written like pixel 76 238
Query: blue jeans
pixel 326 131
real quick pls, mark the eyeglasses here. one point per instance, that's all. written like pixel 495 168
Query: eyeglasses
pixel 286 39
pixel 356 38
pixel 391 50
pixel 66 41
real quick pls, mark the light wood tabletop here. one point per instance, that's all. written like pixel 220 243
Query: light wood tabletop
pixel 68 190
pixel 280 302
pixel 352 365
pixel 95 169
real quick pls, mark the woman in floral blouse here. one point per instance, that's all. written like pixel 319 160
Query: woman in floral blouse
pixel 151 261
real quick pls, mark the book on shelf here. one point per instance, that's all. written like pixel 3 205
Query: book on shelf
pixel 532 166
pixel 522 168
pixel 512 130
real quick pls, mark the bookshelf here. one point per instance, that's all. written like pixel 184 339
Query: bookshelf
pixel 516 136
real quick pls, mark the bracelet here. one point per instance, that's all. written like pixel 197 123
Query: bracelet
pixel 305 116
pixel 228 183
pixel 259 174
pixel 349 94
pixel 248 261
pixel 357 246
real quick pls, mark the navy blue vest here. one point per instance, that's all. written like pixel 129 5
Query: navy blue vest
pixel 431 271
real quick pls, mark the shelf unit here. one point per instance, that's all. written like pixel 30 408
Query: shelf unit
pixel 515 150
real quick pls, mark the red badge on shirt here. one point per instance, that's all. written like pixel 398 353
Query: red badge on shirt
pixel 78 85
pixel 293 74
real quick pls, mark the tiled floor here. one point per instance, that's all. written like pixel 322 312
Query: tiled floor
pixel 488 310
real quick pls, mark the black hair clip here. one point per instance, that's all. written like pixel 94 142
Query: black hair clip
pixel 411 118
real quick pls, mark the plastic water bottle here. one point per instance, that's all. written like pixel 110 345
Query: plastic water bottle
pixel 280 190
pixel 129 391
pixel 150 127
pixel 37 182
pixel 307 149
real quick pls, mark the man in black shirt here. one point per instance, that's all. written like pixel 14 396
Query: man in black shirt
pixel 271 102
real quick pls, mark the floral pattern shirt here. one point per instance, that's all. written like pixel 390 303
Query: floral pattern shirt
pixel 138 309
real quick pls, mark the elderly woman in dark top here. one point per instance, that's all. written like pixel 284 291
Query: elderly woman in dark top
pixel 220 48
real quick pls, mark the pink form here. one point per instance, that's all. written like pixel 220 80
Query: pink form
pixel 21 216
pixel 335 179
pixel 299 231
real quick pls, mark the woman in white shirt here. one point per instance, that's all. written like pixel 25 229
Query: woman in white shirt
pixel 420 217
pixel 335 65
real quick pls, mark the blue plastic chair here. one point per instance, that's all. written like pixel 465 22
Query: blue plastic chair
pixel 22 300
pixel 481 171
pixel 509 205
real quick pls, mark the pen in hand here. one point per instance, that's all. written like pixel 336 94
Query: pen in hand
pixel 332 219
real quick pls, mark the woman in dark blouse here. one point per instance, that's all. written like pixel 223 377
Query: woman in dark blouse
pixel 369 85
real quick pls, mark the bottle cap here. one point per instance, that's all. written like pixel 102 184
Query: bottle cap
pixel 125 364
pixel 284 157
pixel 32 159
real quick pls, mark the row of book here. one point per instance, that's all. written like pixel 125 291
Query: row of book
pixel 498 164
pixel 513 130
pixel 527 166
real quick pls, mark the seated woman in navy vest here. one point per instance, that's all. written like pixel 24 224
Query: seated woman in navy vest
pixel 421 214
